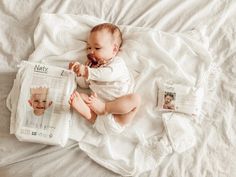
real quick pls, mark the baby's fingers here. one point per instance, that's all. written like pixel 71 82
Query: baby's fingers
pixel 76 68
pixel 71 64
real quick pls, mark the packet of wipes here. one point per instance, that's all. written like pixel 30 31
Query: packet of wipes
pixel 38 102
pixel 179 98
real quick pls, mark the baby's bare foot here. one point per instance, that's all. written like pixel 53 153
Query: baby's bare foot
pixel 97 105
pixel 79 105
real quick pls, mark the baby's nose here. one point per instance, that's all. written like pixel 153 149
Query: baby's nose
pixel 40 104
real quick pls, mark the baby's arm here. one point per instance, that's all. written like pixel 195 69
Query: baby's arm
pixel 114 71
pixel 107 73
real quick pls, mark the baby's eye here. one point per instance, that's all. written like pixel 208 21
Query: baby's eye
pixel 88 48
pixel 36 101
pixel 97 48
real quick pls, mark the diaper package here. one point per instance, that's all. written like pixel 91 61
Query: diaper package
pixel 179 98
pixel 38 102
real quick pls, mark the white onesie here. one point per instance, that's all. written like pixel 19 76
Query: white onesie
pixel 109 82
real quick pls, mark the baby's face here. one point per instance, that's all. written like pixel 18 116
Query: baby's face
pixel 168 99
pixel 39 103
pixel 101 45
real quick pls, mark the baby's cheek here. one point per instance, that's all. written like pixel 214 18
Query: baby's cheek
pixel 34 106
pixel 46 105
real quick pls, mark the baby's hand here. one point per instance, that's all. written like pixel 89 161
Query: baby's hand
pixel 75 66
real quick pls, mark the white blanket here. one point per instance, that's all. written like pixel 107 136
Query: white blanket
pixel 150 55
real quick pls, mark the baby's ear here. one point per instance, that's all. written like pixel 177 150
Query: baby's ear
pixel 30 103
pixel 50 103
pixel 116 48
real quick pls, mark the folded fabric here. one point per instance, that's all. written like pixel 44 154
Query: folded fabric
pixel 180 131
pixel 38 102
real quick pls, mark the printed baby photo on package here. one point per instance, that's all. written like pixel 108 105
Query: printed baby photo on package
pixel 179 98
pixel 168 100
pixel 39 112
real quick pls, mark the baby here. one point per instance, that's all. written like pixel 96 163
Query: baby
pixel 168 101
pixel 111 106
pixel 39 102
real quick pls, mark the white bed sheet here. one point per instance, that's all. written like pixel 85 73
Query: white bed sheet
pixel 214 154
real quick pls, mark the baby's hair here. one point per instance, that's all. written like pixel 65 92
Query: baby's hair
pixel 39 89
pixel 169 94
pixel 113 29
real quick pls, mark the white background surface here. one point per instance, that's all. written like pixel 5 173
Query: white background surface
pixel 214 154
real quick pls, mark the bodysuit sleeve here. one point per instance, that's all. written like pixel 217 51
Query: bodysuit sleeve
pixel 116 70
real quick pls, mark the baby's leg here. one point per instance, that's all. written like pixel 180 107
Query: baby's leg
pixel 77 102
pixel 128 106
pixel 124 104
pixel 121 105
pixel 124 119
pixel 124 108
pixel 130 109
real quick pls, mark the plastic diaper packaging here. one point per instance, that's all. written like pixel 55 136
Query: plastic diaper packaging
pixel 175 97
pixel 38 102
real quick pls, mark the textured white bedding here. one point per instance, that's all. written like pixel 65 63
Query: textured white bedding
pixel 214 153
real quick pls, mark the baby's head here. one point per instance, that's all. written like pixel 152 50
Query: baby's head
pixel 104 41
pixel 39 100
pixel 169 97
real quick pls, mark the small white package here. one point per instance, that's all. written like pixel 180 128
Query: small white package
pixel 38 102
pixel 179 98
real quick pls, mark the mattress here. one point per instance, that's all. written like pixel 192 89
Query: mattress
pixel 214 151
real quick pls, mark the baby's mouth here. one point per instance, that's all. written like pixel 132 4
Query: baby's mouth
pixel 40 108
pixel 92 58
